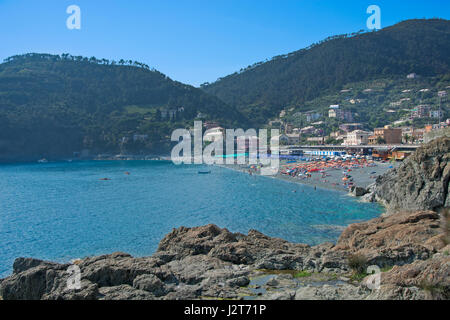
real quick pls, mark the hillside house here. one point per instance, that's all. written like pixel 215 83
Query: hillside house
pixel 357 137
pixel 312 116
pixel 387 134
pixel 293 138
pixel 349 127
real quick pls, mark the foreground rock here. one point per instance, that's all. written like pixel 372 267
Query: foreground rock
pixel 210 262
pixel 421 182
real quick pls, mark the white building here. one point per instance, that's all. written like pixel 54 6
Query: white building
pixel 293 138
pixel 312 116
pixel 436 114
pixel 214 133
pixel 357 137
pixel 282 139
pixel 307 130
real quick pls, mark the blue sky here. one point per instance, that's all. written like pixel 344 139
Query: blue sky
pixel 192 41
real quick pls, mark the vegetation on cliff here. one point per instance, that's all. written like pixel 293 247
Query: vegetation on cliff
pixel 54 105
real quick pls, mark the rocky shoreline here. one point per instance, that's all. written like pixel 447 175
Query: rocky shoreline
pixel 212 263
pixel 409 246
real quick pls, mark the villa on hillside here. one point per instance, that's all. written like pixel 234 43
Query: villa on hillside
pixel 336 112
pixel 282 139
pixel 210 125
pixel 349 127
pixel 387 135
pixel 307 130
pixel 312 116
pixel 421 111
pixel 357 137
pixel 436 114
pixel 293 138
pixel 214 133
pixel 316 140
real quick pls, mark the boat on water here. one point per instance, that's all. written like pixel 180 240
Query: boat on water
pixel 42 160
pixel 204 172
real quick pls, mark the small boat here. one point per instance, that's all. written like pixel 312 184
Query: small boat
pixel 204 172
pixel 43 160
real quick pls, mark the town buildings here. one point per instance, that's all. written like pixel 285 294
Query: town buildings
pixel 357 137
pixel 312 116
pixel 349 127
pixel 214 133
pixel 282 139
pixel 316 140
pixel 293 138
pixel 421 111
pixel 336 112
pixel 436 114
pixel 386 135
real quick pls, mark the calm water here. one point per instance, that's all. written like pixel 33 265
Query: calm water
pixel 61 211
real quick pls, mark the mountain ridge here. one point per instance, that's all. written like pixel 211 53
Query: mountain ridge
pixel 52 106
pixel 294 78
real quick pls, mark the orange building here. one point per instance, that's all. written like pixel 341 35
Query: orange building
pixel 387 134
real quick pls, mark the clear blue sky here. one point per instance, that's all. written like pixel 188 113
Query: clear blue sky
pixel 192 41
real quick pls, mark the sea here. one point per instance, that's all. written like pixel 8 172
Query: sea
pixel 61 211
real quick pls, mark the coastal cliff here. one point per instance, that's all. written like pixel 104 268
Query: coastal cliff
pixel 421 182
pixel 410 247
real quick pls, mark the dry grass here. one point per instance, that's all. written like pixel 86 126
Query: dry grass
pixel 357 262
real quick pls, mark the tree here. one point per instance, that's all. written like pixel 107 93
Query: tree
pixel 381 140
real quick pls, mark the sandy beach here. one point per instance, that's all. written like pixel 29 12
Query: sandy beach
pixel 331 178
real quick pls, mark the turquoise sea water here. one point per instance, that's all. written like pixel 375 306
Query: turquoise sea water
pixel 61 211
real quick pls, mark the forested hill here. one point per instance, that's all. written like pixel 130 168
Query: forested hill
pixel 262 90
pixel 55 105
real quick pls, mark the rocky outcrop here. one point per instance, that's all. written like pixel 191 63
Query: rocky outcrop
pixel 427 279
pixel 421 182
pixel 357 191
pixel 208 261
pixel 394 240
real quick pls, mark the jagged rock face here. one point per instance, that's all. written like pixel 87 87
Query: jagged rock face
pixel 428 279
pixel 395 239
pixel 230 247
pixel 212 262
pixel 420 183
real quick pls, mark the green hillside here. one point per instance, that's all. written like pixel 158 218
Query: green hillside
pixel 262 90
pixel 54 105
pixel 375 103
